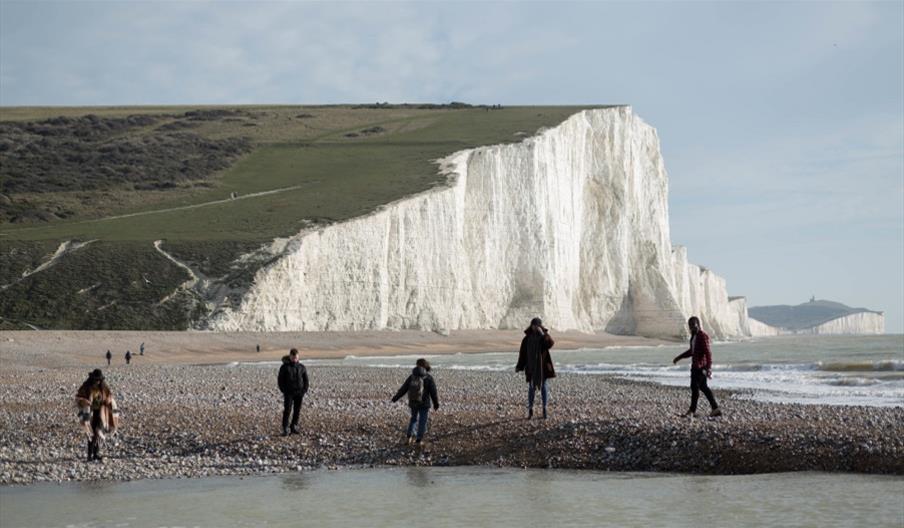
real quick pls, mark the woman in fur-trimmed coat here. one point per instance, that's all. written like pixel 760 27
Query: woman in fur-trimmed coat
pixel 97 411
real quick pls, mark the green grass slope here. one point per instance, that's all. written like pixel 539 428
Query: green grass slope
pixel 124 177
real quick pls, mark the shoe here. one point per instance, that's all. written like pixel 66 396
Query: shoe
pixel 689 414
pixel 409 440
pixel 530 413
pixel 285 432
pixel 295 430
pixel 716 412
pixel 544 413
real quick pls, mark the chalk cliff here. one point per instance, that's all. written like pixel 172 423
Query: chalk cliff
pixel 816 317
pixel 570 224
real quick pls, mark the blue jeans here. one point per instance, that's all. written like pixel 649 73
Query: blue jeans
pixel 419 418
pixel 530 394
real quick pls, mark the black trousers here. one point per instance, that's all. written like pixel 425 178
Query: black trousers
pixel 698 384
pixel 94 441
pixel 291 404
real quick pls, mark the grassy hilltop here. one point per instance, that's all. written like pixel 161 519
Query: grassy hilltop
pixel 213 183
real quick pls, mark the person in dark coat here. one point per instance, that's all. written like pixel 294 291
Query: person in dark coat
pixel 421 391
pixel 293 383
pixel 128 356
pixel 109 357
pixel 701 368
pixel 535 361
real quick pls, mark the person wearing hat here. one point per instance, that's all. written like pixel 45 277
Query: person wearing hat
pixel 97 411
pixel 535 361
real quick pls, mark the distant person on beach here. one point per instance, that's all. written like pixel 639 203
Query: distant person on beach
pixel 128 356
pixel 97 412
pixel 293 383
pixel 535 361
pixel 421 391
pixel 141 350
pixel 701 368
pixel 257 348
pixel 109 357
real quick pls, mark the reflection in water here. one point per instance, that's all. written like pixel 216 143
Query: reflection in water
pixel 294 481
pixel 418 477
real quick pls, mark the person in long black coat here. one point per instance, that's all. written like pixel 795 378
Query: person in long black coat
pixel 535 361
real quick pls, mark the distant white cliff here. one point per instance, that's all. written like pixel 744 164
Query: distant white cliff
pixel 816 317
pixel 570 225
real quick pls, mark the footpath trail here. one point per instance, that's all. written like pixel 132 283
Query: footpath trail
pixel 194 206
pixel 179 208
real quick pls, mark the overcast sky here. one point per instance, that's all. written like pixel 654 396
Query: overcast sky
pixel 782 124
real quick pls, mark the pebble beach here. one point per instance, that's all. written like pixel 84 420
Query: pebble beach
pixel 182 420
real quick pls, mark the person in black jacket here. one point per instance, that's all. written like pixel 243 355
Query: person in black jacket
pixel 534 359
pixel 293 383
pixel 421 391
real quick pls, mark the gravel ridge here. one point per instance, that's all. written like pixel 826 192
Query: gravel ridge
pixel 183 421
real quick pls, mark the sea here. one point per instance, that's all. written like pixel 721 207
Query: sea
pixel 818 370
pixel 814 370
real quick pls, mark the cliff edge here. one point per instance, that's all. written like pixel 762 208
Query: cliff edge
pixel 570 224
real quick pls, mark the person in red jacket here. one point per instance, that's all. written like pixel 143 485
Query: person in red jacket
pixel 701 367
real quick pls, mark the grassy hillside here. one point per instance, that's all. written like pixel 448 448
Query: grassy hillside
pixel 214 183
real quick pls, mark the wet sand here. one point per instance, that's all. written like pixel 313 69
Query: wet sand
pixel 87 347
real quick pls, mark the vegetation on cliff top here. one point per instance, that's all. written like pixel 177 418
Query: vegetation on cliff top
pixel 213 182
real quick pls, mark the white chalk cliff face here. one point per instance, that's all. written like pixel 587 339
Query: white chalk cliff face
pixel 570 225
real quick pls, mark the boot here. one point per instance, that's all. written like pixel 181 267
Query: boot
pixel 97 456
pixel 285 431
pixel 530 413
pixel 295 430
pixel 90 451
pixel 544 413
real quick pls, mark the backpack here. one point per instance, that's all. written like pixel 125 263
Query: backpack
pixel 416 391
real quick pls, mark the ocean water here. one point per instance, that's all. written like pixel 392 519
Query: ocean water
pixel 466 496
pixel 837 370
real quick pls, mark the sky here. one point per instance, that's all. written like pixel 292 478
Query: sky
pixel 782 123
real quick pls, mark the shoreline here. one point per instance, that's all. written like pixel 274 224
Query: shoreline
pixel 51 348
pixel 183 421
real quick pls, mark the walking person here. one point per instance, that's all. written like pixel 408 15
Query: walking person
pixel 109 357
pixel 293 383
pixel 701 368
pixel 534 359
pixel 97 412
pixel 421 391
pixel 128 356
pixel 141 350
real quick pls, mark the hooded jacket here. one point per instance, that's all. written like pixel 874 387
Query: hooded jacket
pixel 293 378
pixel 534 358
pixel 429 389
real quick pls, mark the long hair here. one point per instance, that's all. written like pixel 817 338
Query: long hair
pixel 94 388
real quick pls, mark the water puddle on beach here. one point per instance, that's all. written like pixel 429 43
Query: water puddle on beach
pixel 465 496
